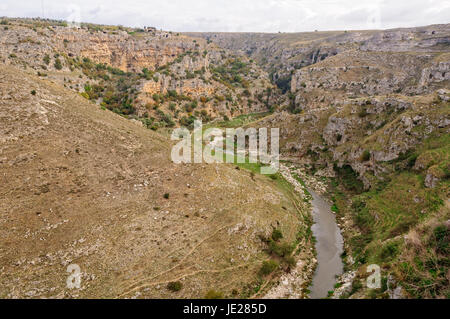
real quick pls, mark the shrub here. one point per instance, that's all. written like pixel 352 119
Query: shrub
pixel 277 234
pixel 290 261
pixel 33 92
pixel 58 64
pixel 365 156
pixel 166 195
pixel 362 112
pixel 364 219
pixel 213 294
pixel 268 266
pixel 349 178
pixel 280 249
pixel 174 286
pixel 156 97
pixel 389 251
pixel 441 236
pixel 334 208
pixel 172 93
pixel 356 285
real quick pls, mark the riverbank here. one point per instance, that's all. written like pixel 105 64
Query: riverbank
pixel 315 277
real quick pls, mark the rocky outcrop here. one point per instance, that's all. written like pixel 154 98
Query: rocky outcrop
pixel 438 72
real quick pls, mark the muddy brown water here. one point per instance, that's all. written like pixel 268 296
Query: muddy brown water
pixel 329 247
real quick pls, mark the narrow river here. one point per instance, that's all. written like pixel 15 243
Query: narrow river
pixel 329 247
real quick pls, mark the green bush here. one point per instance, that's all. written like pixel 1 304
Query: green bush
pixel 334 208
pixel 268 266
pixel 364 219
pixel 213 294
pixel 356 285
pixel 172 106
pixel 47 59
pixel 441 236
pixel 280 249
pixel 58 64
pixel 389 251
pixel 174 286
pixel 365 156
pixel 166 195
pixel 362 112
pixel 277 234
pixel 290 261
pixel 33 92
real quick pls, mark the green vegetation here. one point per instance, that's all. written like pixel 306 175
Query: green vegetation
pixel 242 120
pixel 47 59
pixel 349 178
pixel 284 83
pixel 268 266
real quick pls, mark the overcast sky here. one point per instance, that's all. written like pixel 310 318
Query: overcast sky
pixel 239 15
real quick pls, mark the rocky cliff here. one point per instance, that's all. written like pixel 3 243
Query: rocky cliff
pixel 369 112
pixel 161 78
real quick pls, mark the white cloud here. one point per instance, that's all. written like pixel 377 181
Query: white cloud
pixel 242 15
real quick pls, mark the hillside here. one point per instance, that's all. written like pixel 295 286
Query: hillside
pixel 81 185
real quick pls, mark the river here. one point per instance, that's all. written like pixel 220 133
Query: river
pixel 329 247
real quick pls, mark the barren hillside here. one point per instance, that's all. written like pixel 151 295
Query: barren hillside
pixel 81 185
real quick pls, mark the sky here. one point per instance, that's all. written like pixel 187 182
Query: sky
pixel 239 15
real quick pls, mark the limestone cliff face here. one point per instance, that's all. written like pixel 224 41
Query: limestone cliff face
pixel 153 64
pixel 363 74
pixel 122 50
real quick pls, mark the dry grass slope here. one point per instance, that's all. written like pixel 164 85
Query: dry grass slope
pixel 82 185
